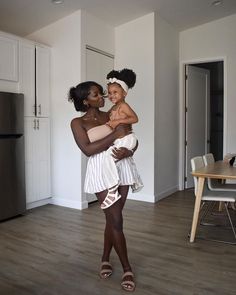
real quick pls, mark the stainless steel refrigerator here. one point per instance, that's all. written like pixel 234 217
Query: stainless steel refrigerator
pixel 12 159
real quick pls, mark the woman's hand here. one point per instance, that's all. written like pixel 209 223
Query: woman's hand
pixel 121 153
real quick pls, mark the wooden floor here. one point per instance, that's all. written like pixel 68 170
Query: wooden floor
pixel 56 250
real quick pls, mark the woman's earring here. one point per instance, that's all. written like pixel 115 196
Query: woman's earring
pixel 85 103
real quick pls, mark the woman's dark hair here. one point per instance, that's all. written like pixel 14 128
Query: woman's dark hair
pixel 78 94
pixel 126 75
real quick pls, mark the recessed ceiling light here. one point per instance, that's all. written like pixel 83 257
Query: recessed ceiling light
pixel 216 3
pixel 57 1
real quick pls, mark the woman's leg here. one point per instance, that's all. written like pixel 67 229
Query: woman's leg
pixel 106 269
pixel 108 235
pixel 114 235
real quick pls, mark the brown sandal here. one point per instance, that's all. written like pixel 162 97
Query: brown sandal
pixel 128 285
pixel 106 270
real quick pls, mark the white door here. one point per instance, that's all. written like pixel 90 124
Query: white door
pixel 30 163
pixel 98 65
pixel 37 159
pixel 197 118
pixel 42 150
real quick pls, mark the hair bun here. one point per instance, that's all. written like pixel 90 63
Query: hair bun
pixel 72 94
pixel 113 74
pixel 126 75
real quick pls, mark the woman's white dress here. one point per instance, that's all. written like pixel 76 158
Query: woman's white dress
pixel 127 171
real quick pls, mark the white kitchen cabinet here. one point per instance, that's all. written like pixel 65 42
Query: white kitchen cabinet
pixel 27 76
pixel 37 159
pixel 8 58
pixel 34 80
pixel 42 81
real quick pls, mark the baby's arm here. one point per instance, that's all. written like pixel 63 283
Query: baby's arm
pixel 130 117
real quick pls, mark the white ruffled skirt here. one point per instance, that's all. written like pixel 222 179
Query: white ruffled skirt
pixel 127 171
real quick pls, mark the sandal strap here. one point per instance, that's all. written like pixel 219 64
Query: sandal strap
pixel 115 187
pixel 106 270
pixel 106 263
pixel 107 202
pixel 128 283
pixel 127 273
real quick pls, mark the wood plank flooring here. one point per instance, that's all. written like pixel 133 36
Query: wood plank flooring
pixel 54 250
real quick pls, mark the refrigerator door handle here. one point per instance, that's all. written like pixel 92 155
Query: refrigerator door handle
pixel 34 124
pixel 38 124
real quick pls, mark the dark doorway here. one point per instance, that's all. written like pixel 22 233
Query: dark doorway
pixel 216 107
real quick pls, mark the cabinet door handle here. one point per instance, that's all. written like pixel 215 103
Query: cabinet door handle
pixel 38 124
pixel 40 109
pixel 34 124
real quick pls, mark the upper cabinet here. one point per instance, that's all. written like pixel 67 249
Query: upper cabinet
pixel 27 76
pixel 34 79
pixel 42 81
pixel 8 59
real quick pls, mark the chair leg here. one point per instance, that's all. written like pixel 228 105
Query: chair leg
pixel 210 209
pixel 230 220
pixel 220 206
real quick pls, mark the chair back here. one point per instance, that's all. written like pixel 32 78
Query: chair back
pixel 196 163
pixel 208 159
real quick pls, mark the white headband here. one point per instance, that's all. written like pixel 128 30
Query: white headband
pixel 120 82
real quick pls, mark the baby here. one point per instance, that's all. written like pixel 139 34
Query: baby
pixel 119 83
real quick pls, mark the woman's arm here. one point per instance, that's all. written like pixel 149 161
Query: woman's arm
pixel 123 152
pixel 129 114
pixel 91 148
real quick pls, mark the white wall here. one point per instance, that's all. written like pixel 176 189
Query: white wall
pixel 98 34
pixel 213 41
pixel 64 36
pixel 166 108
pixel 68 38
pixel 134 48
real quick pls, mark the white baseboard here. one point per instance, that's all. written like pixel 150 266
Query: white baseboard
pixel 151 198
pixel 141 197
pixel 38 203
pixel 69 203
pixel 166 193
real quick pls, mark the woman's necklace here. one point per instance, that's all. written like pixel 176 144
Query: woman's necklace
pixel 90 118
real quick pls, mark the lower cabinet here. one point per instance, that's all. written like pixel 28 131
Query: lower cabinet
pixel 37 161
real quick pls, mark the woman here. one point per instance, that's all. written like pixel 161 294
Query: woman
pixel 94 137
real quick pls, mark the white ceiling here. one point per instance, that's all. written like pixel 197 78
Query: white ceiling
pixel 22 17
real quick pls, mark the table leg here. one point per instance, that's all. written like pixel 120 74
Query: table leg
pixel 197 205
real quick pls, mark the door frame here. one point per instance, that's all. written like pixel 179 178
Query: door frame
pixel 193 73
pixel 182 118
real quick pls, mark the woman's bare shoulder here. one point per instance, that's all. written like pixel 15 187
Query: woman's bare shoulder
pixel 76 122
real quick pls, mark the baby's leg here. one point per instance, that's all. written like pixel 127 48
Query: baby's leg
pixel 129 141
pixel 110 172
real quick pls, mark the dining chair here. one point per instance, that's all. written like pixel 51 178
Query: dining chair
pixel 209 196
pixel 216 184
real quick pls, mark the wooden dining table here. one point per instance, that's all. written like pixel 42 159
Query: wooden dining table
pixel 217 170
